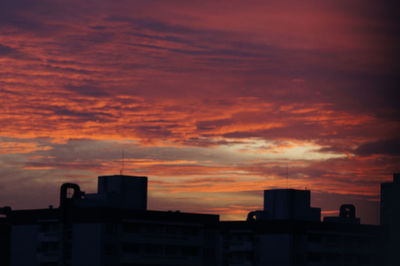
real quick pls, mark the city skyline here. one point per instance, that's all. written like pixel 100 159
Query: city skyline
pixel 114 227
pixel 214 101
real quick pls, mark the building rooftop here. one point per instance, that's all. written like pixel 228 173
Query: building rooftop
pixel 105 215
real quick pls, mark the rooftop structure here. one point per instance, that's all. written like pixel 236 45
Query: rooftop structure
pixel 119 191
pixel 347 215
pixel 287 204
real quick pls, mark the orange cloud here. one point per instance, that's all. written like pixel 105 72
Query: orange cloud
pixel 213 101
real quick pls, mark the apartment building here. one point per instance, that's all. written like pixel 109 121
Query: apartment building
pixel 289 232
pixel 113 227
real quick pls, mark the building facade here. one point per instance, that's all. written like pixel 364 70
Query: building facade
pixel 111 228
pixel 109 237
pixel 114 228
pixel 288 232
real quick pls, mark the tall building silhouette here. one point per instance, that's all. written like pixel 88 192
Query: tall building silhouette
pixel 390 220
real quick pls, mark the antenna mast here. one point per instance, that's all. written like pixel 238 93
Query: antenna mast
pixel 287 175
pixel 122 163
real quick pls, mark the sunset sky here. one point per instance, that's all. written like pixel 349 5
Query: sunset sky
pixel 214 101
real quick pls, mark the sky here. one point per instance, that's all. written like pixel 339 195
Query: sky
pixel 214 101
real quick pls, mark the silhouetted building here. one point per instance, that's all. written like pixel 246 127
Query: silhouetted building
pixel 119 191
pixel 4 236
pixel 290 242
pixel 114 228
pixel 288 232
pixel 108 236
pixel 111 228
pixel 390 220
pixel 287 204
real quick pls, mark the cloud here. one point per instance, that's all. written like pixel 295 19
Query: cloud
pixel 12 53
pixel 87 90
pixel 153 25
pixel 20 147
pixel 208 98
pixel 5 50
pixel 389 147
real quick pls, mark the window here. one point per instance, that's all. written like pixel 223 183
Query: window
pixel 153 249
pixel 132 227
pixel 48 246
pixel 314 238
pixel 49 227
pixel 48 264
pixel 314 257
pixel 171 250
pixel 131 248
pixel 190 251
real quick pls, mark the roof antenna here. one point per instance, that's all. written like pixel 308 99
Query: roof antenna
pixel 122 163
pixel 287 175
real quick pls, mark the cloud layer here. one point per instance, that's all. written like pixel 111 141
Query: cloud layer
pixel 213 100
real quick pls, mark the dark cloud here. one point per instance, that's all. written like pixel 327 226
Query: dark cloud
pixel 169 38
pixel 385 147
pixel 98 27
pixel 212 124
pixel 87 90
pixel 72 70
pixel 64 113
pixel 7 51
pixel 153 25
pixel 30 16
